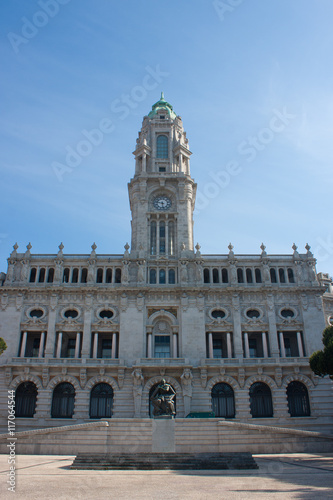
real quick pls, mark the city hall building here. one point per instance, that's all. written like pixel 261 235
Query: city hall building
pixel 90 336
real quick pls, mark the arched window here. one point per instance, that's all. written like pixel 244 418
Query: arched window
pixel 65 278
pixel 63 401
pixel 41 277
pixel 225 278
pixel 101 401
pixel 223 401
pixel 298 400
pixel 151 406
pixel 33 272
pixel 282 276
pixel 153 238
pixel 152 276
pixel 25 400
pixel 50 275
pixel 162 147
pixel 216 276
pixel 258 275
pixel 240 276
pixel 162 237
pixel 118 276
pixel 261 400
pixel 162 276
pixel 84 275
pixel 249 277
pixel 206 275
pixel 75 275
pixel 99 276
pixel 273 275
pixel 172 277
pixel 162 347
pixel 291 277
pixel 108 278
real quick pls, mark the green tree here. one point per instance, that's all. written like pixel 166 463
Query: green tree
pixel 321 362
pixel 3 345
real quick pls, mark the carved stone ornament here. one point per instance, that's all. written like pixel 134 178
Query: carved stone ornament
pixel 203 377
pixel 241 377
pixel 8 375
pixel 121 377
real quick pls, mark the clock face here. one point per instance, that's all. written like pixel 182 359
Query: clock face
pixel 162 203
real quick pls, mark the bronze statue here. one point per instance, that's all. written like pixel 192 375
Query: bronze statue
pixel 163 400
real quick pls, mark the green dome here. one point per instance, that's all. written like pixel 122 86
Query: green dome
pixel 162 104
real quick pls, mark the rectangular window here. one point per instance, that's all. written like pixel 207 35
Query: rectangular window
pixel 162 237
pixel 162 346
pixel 153 238
pixel 217 348
pixel 35 348
pixel 287 347
pixel 106 348
pixel 71 348
pixel 253 348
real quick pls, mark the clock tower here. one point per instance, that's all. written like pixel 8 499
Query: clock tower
pixel 162 192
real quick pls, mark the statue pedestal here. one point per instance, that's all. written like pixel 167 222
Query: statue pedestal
pixel 163 435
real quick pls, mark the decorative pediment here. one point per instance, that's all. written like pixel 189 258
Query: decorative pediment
pixel 35 321
pixel 254 325
pixel 69 325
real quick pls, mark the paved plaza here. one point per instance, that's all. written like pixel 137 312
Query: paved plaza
pixel 296 476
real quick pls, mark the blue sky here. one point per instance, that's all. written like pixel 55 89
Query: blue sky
pixel 252 80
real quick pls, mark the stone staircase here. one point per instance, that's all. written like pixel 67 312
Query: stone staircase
pixel 164 461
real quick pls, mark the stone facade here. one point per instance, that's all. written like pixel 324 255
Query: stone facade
pixel 164 310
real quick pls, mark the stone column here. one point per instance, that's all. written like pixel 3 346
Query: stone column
pixel 41 345
pixel 210 345
pixel 237 337
pixel 114 346
pixel 273 336
pixel 59 345
pixel 149 345
pixel 300 345
pixel 51 334
pixel 157 244
pixel 95 346
pixel 246 345
pixel 264 344
pixel 180 162
pixel 86 338
pixel 282 348
pixel 144 162
pixel 166 246
pixel 229 346
pixel 23 344
pixel 77 345
pixel 175 345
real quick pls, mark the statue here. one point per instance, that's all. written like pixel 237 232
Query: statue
pixel 137 391
pixel 186 379
pixel 183 272
pixel 125 274
pixel 162 400
pixel 141 272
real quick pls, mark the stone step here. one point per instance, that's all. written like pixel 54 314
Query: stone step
pixel 160 461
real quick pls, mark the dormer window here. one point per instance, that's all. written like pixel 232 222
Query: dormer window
pixel 162 117
pixel 162 146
